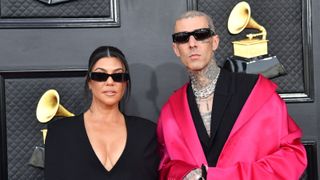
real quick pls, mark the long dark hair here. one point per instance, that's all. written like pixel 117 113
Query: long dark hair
pixel 108 51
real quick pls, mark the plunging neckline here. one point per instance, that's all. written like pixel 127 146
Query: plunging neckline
pixel 93 153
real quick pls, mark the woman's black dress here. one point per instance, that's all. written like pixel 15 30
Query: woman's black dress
pixel 69 154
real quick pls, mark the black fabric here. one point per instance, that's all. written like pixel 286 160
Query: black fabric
pixel 69 154
pixel 232 91
pixel 267 65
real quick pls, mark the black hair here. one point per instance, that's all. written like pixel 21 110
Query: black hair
pixel 108 51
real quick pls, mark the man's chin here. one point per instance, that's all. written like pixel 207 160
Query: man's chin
pixel 195 68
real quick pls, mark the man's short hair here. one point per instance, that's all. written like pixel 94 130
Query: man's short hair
pixel 191 14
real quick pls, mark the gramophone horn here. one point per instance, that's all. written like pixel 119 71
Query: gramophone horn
pixel 240 18
pixel 49 106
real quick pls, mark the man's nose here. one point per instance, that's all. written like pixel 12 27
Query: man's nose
pixel 192 41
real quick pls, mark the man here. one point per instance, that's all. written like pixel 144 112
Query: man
pixel 223 125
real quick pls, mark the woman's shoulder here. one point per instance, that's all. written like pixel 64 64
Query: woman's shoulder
pixel 66 122
pixel 141 123
pixel 141 131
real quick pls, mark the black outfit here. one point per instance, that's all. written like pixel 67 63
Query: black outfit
pixel 231 93
pixel 69 154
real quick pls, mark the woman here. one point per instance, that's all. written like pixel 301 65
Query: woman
pixel 102 143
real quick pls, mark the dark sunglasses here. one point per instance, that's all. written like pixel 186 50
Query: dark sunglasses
pixel 198 34
pixel 101 77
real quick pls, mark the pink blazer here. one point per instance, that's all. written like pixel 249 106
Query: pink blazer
pixel 264 142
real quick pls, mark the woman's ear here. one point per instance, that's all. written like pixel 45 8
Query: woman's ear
pixel 89 84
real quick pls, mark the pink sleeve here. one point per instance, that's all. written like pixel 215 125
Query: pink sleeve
pixel 170 169
pixel 287 162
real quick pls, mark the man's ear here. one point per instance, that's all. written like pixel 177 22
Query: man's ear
pixel 215 42
pixel 175 49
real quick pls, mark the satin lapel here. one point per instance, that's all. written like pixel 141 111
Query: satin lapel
pixel 180 108
pixel 261 92
pixel 257 98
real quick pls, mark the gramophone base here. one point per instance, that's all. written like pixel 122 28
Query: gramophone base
pixel 37 157
pixel 250 48
pixel 267 65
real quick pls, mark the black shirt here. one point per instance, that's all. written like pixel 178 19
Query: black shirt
pixel 70 156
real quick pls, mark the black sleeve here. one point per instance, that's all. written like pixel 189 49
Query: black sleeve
pixel 144 138
pixel 53 149
pixel 151 157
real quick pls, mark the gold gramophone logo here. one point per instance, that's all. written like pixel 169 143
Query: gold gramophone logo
pixel 254 44
pixel 48 107
pixel 250 55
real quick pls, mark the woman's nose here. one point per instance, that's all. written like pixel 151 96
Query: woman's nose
pixel 109 81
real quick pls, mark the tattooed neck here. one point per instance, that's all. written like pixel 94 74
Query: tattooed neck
pixel 203 82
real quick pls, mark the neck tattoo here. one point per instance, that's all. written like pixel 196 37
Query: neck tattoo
pixel 203 84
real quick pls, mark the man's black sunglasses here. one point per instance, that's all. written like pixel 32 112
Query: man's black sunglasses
pixel 198 34
pixel 101 77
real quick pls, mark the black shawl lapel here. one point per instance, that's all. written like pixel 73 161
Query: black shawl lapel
pixel 223 93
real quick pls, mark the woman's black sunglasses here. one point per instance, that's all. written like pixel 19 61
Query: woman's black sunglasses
pixel 198 34
pixel 101 77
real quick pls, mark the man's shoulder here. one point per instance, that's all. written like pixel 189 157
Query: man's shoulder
pixel 249 78
pixel 180 91
pixel 177 96
pixel 242 77
pixel 235 83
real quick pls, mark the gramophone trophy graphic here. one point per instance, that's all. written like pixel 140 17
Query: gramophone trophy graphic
pixel 48 107
pixel 250 54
